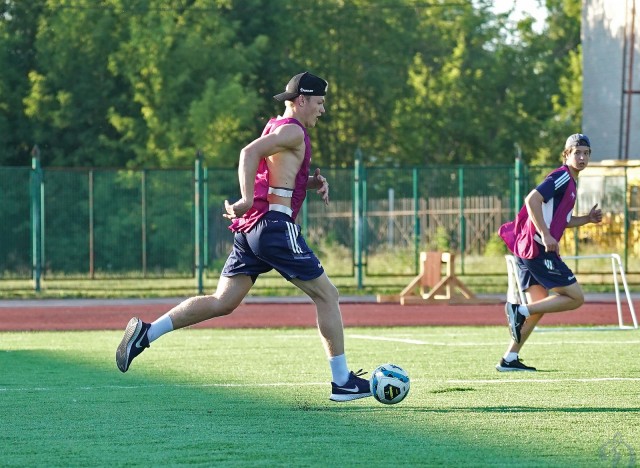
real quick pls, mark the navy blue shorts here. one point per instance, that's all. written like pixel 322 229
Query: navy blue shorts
pixel 274 243
pixel 547 270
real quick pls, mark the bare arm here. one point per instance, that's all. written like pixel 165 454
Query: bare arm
pixel 534 202
pixel 594 216
pixel 286 137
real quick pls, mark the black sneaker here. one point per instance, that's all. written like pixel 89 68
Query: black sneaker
pixel 515 365
pixel 516 320
pixel 356 387
pixel 133 342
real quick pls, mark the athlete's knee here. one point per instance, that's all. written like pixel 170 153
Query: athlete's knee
pixel 334 293
pixel 577 299
pixel 328 294
pixel 217 307
pixel 224 307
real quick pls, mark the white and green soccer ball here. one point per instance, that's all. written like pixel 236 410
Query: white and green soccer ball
pixel 389 384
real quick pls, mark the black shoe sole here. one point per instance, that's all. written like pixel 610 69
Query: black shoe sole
pixel 511 319
pixel 500 368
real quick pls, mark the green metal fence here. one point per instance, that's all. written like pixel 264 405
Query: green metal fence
pixel 98 223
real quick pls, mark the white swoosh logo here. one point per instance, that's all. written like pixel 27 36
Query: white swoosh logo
pixel 140 340
pixel 352 390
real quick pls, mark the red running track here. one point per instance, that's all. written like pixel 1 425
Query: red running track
pixel 259 315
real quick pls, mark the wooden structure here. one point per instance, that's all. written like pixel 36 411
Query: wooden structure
pixel 432 285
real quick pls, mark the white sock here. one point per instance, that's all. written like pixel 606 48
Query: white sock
pixel 158 328
pixel 339 369
pixel 523 310
pixel 510 357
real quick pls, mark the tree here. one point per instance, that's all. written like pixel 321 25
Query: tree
pixel 187 75
pixel 563 40
pixel 17 56
pixel 71 88
pixel 148 83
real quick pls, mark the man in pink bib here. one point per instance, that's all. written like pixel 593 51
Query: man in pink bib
pixel 274 175
pixel 534 239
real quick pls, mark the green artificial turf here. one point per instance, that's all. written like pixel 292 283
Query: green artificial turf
pixel 260 398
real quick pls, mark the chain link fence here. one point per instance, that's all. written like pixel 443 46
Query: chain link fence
pixel 111 223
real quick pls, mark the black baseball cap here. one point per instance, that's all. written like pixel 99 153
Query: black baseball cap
pixel 303 83
pixel 577 139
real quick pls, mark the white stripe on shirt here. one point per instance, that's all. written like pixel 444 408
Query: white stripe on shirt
pixel 562 180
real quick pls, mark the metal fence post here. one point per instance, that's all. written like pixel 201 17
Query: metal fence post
pixel 416 220
pixel 626 218
pixel 463 222
pixel 519 174
pixel 205 215
pixel 357 220
pixel 92 272
pixel 143 220
pixel 37 216
pixel 199 221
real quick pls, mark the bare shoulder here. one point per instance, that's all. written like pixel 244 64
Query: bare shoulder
pixel 290 135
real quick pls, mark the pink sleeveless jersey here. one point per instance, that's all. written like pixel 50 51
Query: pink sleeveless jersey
pixel 519 235
pixel 260 203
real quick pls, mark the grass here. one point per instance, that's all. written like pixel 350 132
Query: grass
pixel 386 272
pixel 270 284
pixel 259 398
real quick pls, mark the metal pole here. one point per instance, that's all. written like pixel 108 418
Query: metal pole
pixel 517 193
pixel 143 220
pixel 626 218
pixel 463 227
pixel 199 222
pixel 390 215
pixel 357 225
pixel 623 77
pixel 91 228
pixel 364 202
pixel 630 90
pixel 36 217
pixel 416 221
pixel 205 215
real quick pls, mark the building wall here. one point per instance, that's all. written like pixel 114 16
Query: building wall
pixel 605 23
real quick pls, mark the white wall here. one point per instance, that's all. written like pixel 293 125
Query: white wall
pixel 603 33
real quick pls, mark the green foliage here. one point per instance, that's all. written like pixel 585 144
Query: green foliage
pixel 147 83
pixel 495 247
pixel 442 239
pixel 15 235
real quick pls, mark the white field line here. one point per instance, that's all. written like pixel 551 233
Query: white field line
pixel 483 343
pixel 145 386
pixel 410 341
pixel 577 380
pixel 388 338
pixel 6 390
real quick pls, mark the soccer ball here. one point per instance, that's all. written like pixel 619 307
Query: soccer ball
pixel 389 384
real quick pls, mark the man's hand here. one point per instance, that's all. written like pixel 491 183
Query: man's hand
pixel 550 243
pixel 321 182
pixel 237 210
pixel 595 215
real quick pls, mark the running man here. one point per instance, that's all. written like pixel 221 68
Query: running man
pixel 274 175
pixel 534 239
